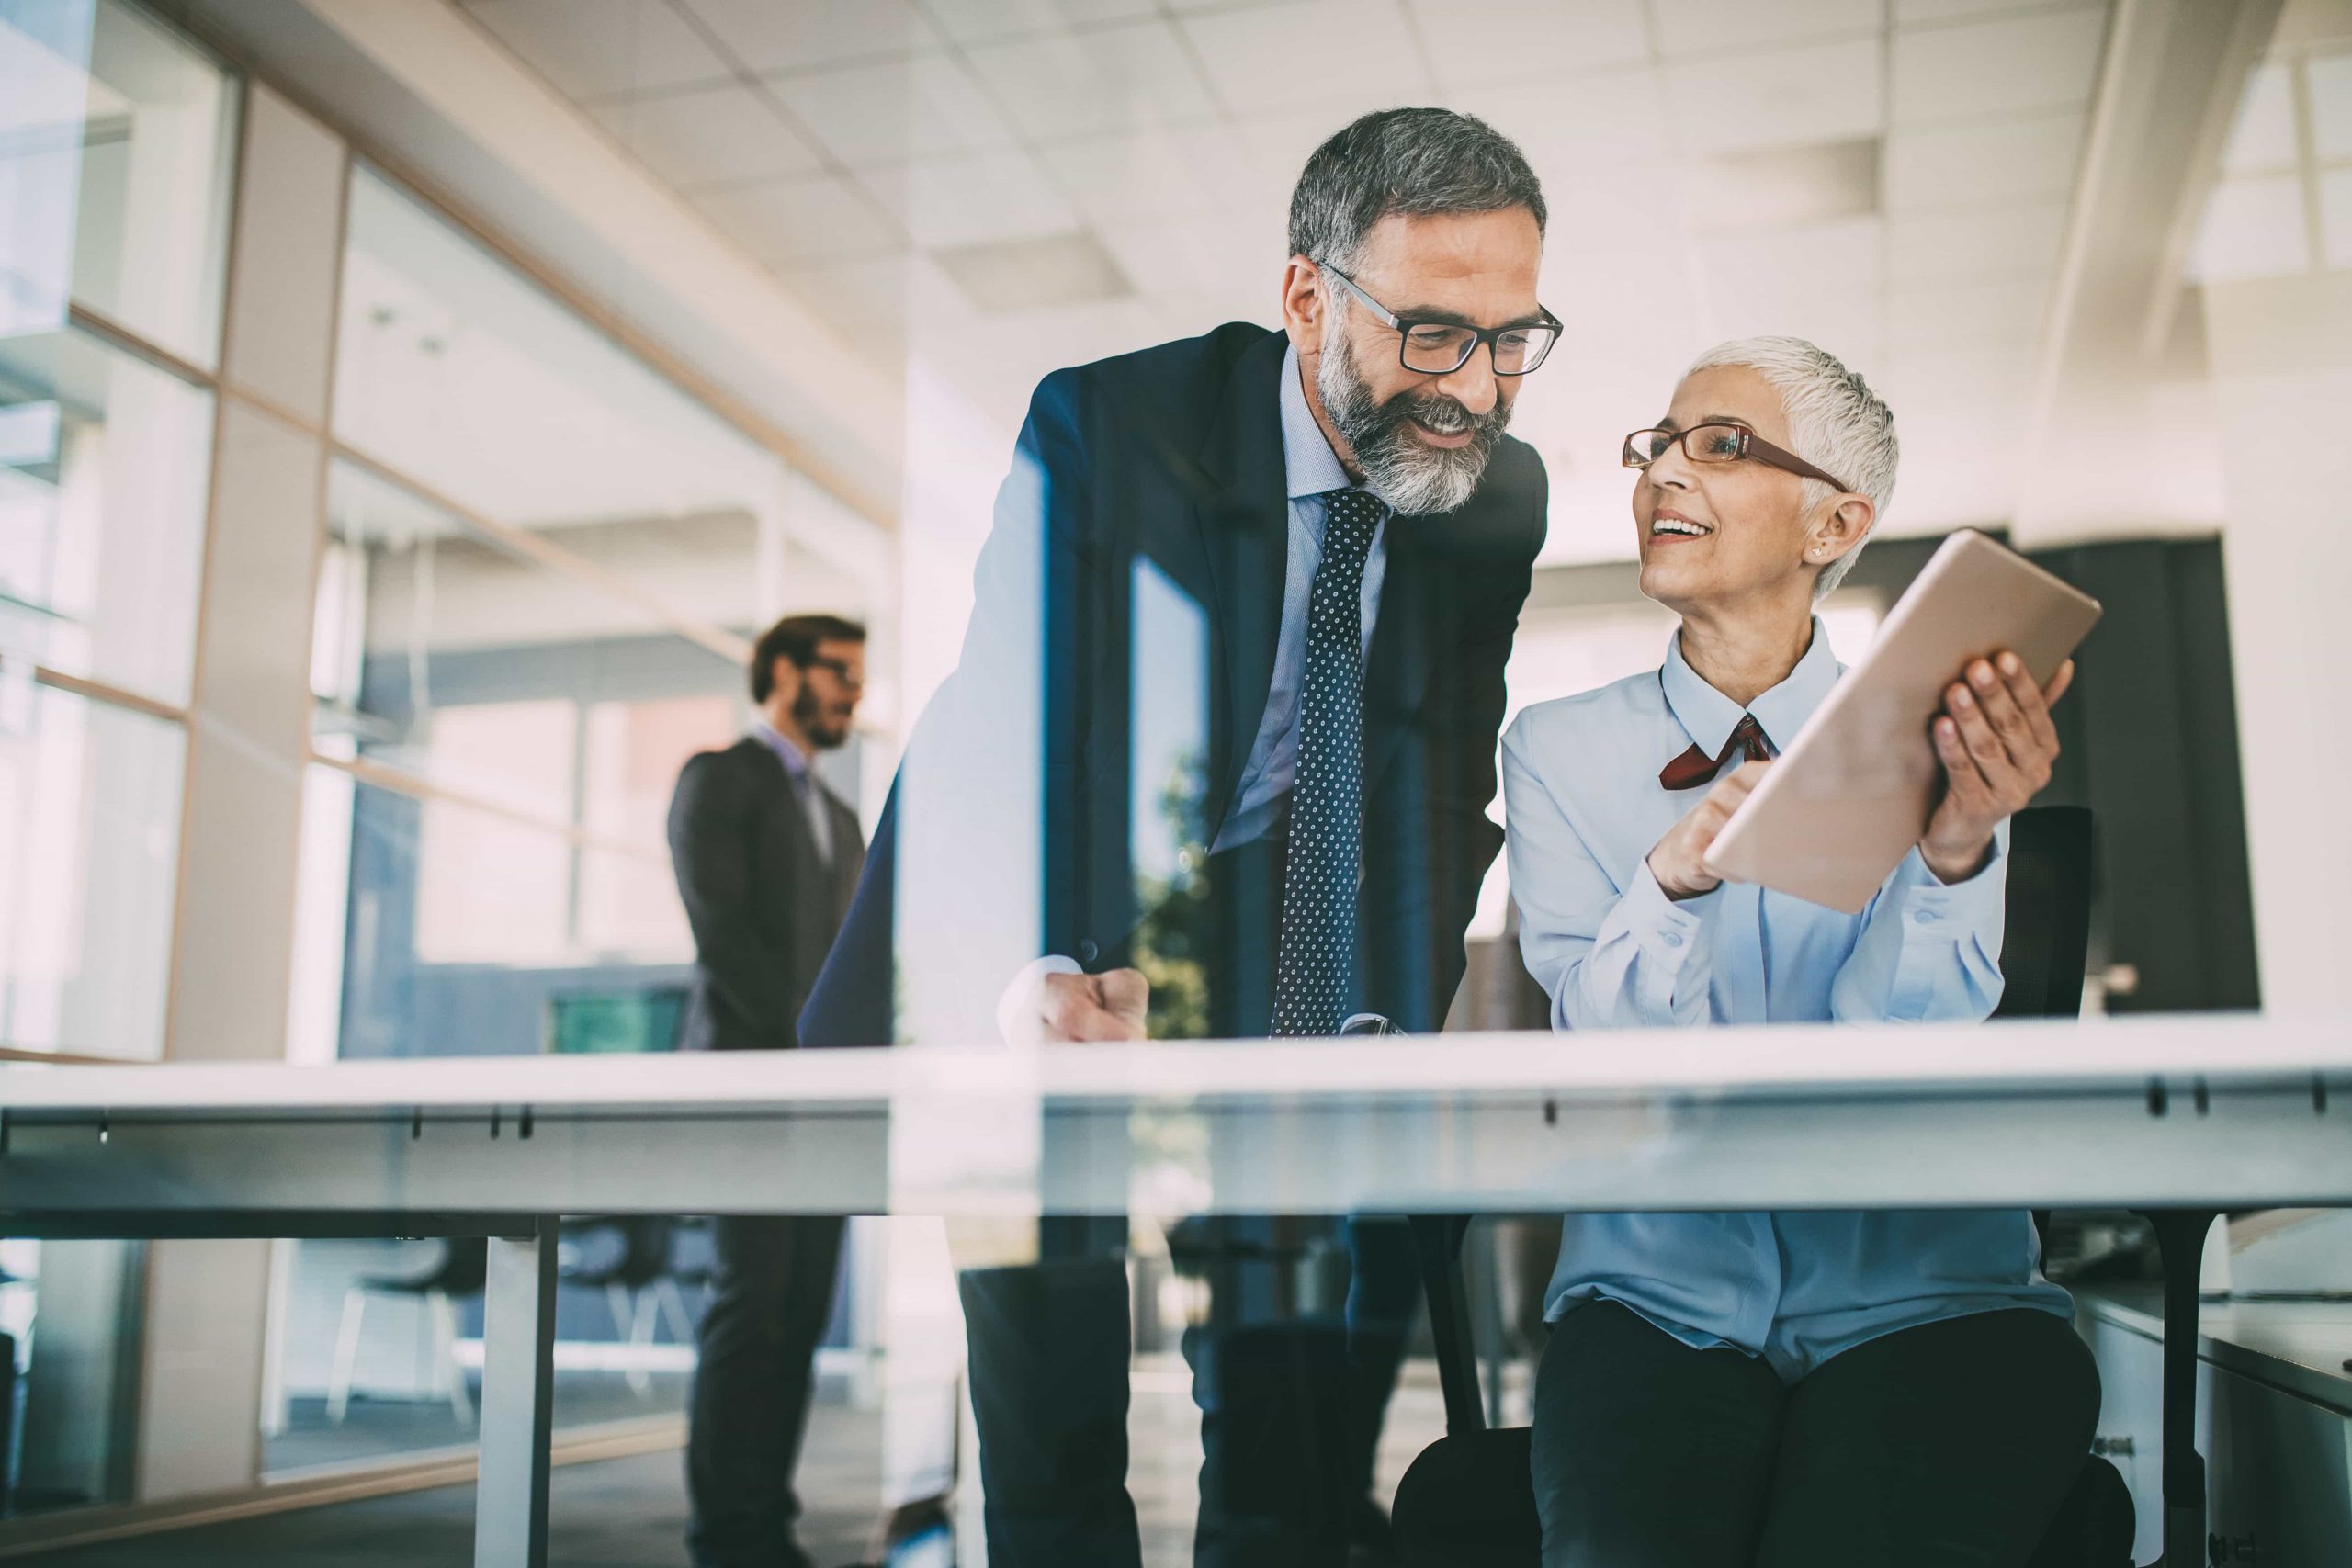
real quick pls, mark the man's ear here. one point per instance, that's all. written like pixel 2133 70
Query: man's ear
pixel 1303 306
pixel 784 677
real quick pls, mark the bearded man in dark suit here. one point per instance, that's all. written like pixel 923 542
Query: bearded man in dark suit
pixel 1294 562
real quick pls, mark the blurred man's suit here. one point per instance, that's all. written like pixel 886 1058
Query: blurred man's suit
pixel 1168 465
pixel 764 896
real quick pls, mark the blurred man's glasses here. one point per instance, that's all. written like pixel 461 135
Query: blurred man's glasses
pixel 844 671
pixel 1439 348
pixel 1720 444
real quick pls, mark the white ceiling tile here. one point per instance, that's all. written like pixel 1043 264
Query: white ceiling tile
pixel 2264 135
pixel 1198 255
pixel 592 47
pixel 1276 147
pixel 699 136
pixel 863 296
pixel 1474 41
pixel 1162 173
pixel 1729 26
pixel 2255 227
pixel 966 200
pixel 2330 79
pixel 1613 118
pixel 979 21
pixel 1814 280
pixel 1104 79
pixel 1910 12
pixel 2007 67
pixel 1784 97
pixel 900 108
pixel 767 35
pixel 1925 247
pixel 1956 315
pixel 814 218
pixel 2003 163
pixel 1355 55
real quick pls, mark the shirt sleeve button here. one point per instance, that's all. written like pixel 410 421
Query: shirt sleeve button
pixel 1087 949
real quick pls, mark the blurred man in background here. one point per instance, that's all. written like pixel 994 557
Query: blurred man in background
pixel 766 859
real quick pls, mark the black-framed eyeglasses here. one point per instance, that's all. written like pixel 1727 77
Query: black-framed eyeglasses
pixel 1439 348
pixel 1720 442
pixel 842 671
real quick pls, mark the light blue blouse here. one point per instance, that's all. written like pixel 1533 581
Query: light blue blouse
pixel 1584 808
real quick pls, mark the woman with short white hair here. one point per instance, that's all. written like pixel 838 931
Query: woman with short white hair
pixel 1777 1389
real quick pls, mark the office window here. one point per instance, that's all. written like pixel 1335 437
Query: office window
pixel 104 460
pixel 89 856
pixel 116 142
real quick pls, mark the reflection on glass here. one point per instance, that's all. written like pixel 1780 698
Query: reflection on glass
pixel 68 1316
pixel 455 370
pixel 116 142
pixel 89 839
pixel 103 467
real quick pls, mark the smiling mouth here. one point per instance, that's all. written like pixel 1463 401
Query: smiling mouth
pixel 1678 529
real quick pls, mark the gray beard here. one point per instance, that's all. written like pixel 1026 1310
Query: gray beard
pixel 1411 476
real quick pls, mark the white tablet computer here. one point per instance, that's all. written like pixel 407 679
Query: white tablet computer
pixel 1853 792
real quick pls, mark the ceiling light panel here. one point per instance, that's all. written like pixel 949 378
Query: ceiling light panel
pixel 2017 65
pixel 591 47
pixel 1783 187
pixel 970 200
pixel 814 218
pixel 1115 78
pixel 1933 247
pixel 1362 56
pixel 1160 174
pixel 983 21
pixel 1786 98
pixel 894 109
pixel 1055 271
pixel 2001 162
pixel 694 137
pixel 1474 41
pixel 766 35
pixel 1726 27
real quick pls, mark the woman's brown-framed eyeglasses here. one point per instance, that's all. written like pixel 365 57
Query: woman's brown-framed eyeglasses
pixel 1720 443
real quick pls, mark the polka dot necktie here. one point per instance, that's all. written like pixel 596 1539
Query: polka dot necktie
pixel 1314 958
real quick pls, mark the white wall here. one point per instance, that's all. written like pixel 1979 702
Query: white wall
pixel 2282 384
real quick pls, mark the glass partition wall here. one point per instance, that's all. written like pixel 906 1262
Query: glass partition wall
pixel 543 569
pixel 117 143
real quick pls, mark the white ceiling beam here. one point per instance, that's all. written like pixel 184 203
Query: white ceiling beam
pixel 2122 438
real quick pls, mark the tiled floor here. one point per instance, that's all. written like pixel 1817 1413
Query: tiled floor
pixel 631 1513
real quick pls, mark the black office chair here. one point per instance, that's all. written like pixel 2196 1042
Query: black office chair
pixel 1468 1500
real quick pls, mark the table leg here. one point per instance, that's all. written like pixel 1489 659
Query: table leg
pixel 517 1401
pixel 2180 1241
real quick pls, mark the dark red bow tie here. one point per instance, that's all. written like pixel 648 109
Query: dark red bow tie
pixel 1694 767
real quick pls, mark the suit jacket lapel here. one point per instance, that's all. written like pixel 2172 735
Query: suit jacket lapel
pixel 1245 533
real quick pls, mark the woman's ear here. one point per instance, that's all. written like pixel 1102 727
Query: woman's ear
pixel 1840 530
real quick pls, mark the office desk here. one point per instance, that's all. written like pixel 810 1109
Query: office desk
pixel 2193 1113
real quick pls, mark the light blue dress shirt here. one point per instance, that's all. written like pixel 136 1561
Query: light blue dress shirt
pixel 1310 469
pixel 1585 807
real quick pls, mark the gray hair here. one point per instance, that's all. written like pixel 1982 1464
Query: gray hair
pixel 1835 423
pixel 1416 163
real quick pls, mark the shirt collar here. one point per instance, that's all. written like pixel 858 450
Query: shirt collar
pixel 1709 716
pixel 767 734
pixel 1309 465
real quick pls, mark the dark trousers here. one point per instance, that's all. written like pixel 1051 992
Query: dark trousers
pixel 1290 1414
pixel 772 1293
pixel 1946 1446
